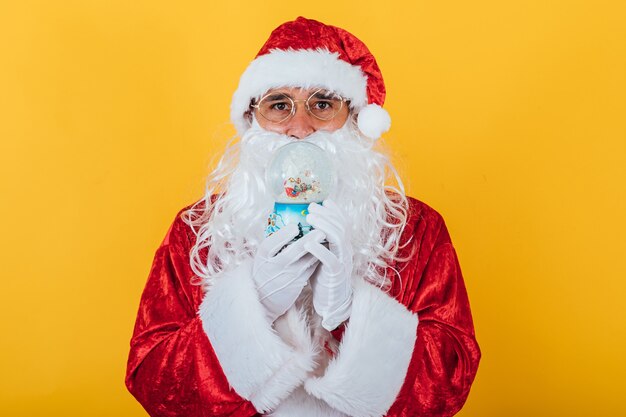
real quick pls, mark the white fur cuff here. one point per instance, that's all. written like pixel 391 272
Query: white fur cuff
pixel 258 364
pixel 374 355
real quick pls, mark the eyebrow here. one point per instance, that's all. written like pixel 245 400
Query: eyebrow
pixel 324 95
pixel 277 96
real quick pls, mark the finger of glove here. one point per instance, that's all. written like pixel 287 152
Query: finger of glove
pixel 296 250
pixel 278 275
pixel 329 208
pixel 329 225
pixel 304 267
pixel 295 278
pixel 330 211
pixel 315 208
pixel 335 235
pixel 309 270
pixel 329 261
pixel 272 244
pixel 326 212
pixel 326 224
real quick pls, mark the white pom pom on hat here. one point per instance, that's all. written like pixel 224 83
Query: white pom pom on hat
pixel 373 121
pixel 310 54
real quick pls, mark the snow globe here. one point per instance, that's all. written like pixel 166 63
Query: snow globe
pixel 298 174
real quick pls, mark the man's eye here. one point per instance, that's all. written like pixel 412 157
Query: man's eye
pixel 280 106
pixel 323 105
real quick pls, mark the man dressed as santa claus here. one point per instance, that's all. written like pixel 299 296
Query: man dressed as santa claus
pixel 365 315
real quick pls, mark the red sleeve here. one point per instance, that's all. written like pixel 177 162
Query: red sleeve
pixel 446 355
pixel 172 368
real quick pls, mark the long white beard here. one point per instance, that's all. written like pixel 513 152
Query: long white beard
pixel 232 226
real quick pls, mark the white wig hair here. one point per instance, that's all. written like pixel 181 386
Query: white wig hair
pixel 229 221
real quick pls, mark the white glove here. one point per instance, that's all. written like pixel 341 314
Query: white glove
pixel 280 275
pixel 332 287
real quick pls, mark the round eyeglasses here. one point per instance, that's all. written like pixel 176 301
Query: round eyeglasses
pixel 279 107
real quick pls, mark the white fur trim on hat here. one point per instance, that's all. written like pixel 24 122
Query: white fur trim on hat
pixel 373 121
pixel 297 68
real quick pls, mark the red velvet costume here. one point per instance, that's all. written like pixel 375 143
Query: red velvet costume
pixel 173 367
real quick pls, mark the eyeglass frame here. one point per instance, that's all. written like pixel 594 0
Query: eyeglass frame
pixel 306 106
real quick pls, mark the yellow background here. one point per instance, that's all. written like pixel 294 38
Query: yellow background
pixel 508 118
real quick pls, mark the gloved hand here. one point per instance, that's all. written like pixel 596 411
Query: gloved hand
pixel 280 275
pixel 332 287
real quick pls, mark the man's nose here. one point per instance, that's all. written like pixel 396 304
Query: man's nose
pixel 300 125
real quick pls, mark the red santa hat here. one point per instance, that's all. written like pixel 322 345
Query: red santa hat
pixel 309 54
